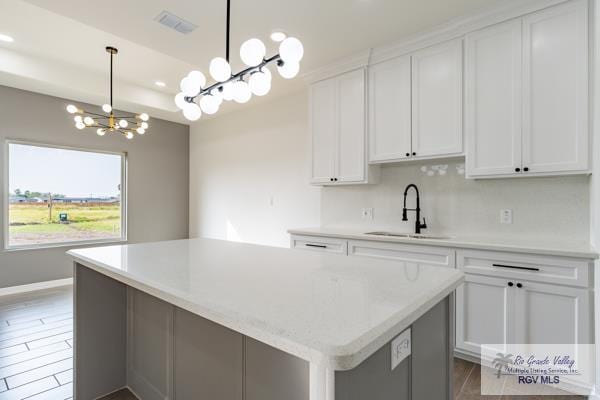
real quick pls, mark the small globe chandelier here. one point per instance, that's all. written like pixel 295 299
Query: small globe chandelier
pixel 196 97
pixel 125 124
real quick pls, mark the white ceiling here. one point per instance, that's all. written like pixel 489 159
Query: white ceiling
pixel 59 44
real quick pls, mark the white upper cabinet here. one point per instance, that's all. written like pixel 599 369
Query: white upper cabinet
pixel 338 129
pixel 390 110
pixel 527 95
pixel 555 87
pixel 323 126
pixel 351 158
pixel 493 95
pixel 415 105
pixel 437 100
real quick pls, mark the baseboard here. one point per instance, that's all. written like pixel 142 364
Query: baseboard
pixel 32 287
pixel 467 356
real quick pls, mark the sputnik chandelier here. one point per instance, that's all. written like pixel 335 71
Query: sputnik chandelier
pixel 124 124
pixel 255 79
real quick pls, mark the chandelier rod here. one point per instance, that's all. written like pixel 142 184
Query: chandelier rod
pixel 111 79
pixel 235 77
pixel 228 28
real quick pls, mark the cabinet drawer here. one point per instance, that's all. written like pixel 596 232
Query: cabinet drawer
pixel 323 244
pixel 559 270
pixel 404 252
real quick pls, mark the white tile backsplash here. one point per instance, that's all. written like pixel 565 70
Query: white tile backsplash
pixel 546 208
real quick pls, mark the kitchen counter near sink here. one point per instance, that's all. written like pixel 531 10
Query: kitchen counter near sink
pixel 558 247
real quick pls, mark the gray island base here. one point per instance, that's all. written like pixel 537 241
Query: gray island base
pixel 206 319
pixel 126 338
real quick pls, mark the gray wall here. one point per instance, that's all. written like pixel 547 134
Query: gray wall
pixel 158 175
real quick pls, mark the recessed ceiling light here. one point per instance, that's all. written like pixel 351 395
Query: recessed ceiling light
pixel 6 38
pixel 160 83
pixel 278 36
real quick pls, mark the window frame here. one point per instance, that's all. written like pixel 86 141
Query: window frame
pixel 73 243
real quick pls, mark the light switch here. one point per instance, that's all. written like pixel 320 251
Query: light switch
pixel 506 216
pixel 401 348
pixel 367 213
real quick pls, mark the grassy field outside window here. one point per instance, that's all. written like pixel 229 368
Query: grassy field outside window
pixel 75 197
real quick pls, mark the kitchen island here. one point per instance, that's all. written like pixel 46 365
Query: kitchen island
pixel 209 319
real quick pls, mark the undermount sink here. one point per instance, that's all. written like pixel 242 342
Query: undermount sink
pixel 408 235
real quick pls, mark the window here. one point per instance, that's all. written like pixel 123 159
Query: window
pixel 60 196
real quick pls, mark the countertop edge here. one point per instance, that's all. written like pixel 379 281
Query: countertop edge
pixel 347 362
pixel 339 358
pixel 452 243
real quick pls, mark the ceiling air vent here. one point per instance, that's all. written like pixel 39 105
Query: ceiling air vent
pixel 174 22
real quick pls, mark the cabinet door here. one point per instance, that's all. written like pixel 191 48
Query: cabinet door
pixel 493 99
pixel 390 110
pixel 552 314
pixel 208 359
pixel 323 123
pixel 555 114
pixel 351 122
pixel 437 100
pixel 484 307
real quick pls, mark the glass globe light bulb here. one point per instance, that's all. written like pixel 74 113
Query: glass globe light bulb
pixel 71 109
pixel 217 95
pixel 101 132
pixel 241 92
pixel 180 100
pixel 129 135
pixel 189 87
pixel 288 70
pixel 252 52
pixel 192 112
pixel 80 125
pixel 88 121
pixel 144 117
pixel 209 105
pixel 140 130
pixel 78 118
pixel 106 108
pixel 267 72
pixel 123 123
pixel 144 125
pixel 228 91
pixel 197 78
pixel 259 83
pixel 220 69
pixel 291 50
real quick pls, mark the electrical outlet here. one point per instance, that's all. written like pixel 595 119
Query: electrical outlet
pixel 506 216
pixel 367 213
pixel 401 348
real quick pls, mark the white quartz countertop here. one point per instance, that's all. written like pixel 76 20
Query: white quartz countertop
pixel 328 309
pixel 559 247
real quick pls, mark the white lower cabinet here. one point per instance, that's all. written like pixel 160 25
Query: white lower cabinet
pixel 484 306
pixel 441 256
pixel 506 297
pixel 498 306
pixel 552 314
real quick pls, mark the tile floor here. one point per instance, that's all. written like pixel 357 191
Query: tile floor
pixel 36 353
pixel 467 385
